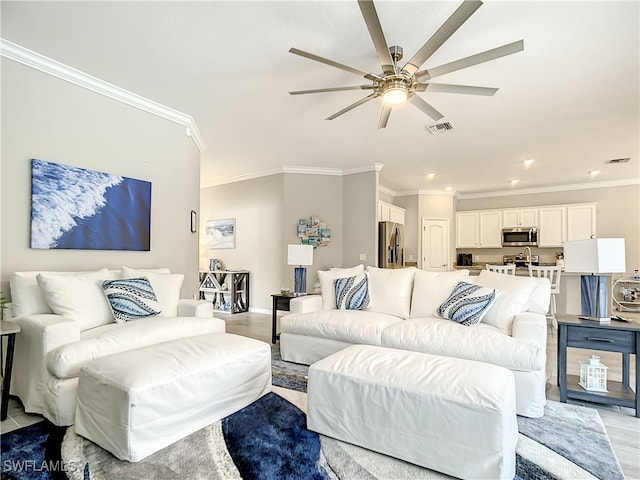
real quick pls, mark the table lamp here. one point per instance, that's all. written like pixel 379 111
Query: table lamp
pixel 593 258
pixel 300 255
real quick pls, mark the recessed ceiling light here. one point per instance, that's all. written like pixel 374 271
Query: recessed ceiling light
pixel 430 175
pixel 528 162
pixel 593 173
pixel 514 182
pixel 449 188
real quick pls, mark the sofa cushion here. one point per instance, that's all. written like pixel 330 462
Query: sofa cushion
pixel 67 360
pixel 483 343
pixel 351 326
pixel 131 299
pixel 165 285
pixel 78 297
pixel 390 290
pixel 515 290
pixel 467 304
pixel 430 289
pixel 328 286
pixel 352 293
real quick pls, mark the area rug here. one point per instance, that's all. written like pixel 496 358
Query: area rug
pixel 269 440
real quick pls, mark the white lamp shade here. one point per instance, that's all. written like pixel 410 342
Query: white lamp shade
pixel 595 255
pixel 300 255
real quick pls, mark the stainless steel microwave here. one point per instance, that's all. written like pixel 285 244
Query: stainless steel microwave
pixel 520 237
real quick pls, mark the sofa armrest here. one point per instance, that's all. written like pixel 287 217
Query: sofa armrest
pixel 306 303
pixel 195 308
pixel 39 335
pixel 530 326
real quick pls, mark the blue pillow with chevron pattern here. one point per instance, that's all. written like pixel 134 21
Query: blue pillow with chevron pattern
pixel 352 293
pixel 131 299
pixel 467 304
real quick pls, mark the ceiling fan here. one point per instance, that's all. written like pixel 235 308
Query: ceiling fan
pixel 395 84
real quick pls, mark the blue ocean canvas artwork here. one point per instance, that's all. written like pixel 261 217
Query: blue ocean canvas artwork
pixel 76 208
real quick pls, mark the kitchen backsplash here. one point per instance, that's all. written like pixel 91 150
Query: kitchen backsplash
pixel 494 255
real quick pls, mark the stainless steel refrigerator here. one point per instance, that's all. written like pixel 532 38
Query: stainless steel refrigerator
pixel 390 246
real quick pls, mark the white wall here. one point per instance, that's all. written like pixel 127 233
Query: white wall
pixel 50 119
pixel 360 207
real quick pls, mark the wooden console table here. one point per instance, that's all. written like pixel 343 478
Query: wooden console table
pixel 230 289
pixel 616 336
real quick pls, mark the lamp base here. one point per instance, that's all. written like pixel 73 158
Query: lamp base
pixel 300 281
pixel 596 319
pixel 594 297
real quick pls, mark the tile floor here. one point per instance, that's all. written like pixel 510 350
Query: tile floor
pixel 621 425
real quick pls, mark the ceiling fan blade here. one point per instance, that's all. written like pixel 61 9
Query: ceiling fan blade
pixel 352 106
pixel 476 59
pixel 384 116
pixel 464 89
pixel 326 61
pixel 332 89
pixel 425 107
pixel 447 29
pixel 370 15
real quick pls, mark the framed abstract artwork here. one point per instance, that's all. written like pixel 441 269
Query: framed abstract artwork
pixel 76 208
pixel 221 233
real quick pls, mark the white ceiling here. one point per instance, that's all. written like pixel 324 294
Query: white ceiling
pixel 570 100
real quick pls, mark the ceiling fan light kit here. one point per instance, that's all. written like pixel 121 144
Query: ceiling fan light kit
pixel 397 84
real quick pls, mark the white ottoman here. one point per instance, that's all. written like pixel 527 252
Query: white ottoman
pixel 138 402
pixel 450 415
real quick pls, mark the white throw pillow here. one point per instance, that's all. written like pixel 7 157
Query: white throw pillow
pixel 166 285
pixel 390 290
pixel 26 295
pixel 430 289
pixel 515 294
pixel 328 283
pixel 78 297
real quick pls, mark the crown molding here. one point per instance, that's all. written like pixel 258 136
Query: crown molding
pixel 296 169
pixel 551 189
pixel 59 70
pixel 407 193
pixel 386 191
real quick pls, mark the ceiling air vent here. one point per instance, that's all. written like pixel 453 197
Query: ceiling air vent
pixel 439 128
pixel 617 160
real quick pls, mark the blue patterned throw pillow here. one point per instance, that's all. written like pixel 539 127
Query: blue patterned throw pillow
pixel 467 303
pixel 352 293
pixel 131 299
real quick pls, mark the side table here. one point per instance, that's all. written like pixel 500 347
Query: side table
pixel 616 336
pixel 10 330
pixel 280 302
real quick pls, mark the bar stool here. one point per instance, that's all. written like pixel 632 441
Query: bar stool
pixel 509 269
pixel 553 274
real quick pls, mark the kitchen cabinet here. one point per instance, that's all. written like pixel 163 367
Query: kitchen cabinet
pixel 552 226
pixel 479 229
pixel 388 212
pixel 520 218
pixel 581 221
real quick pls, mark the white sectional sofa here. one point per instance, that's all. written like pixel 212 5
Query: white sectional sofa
pixel 403 313
pixel 67 322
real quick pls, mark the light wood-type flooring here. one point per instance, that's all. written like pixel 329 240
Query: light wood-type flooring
pixel 621 425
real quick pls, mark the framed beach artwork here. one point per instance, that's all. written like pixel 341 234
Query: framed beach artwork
pixel 76 208
pixel 221 233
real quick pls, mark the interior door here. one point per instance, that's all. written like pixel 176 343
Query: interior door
pixel 436 247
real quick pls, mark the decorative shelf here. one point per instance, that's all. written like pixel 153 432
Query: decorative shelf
pixel 227 289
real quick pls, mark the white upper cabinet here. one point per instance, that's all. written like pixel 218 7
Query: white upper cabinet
pixel 552 228
pixel 490 227
pixel 556 224
pixel 467 230
pixel 527 217
pixel 388 212
pixel 581 221
pixel 479 229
